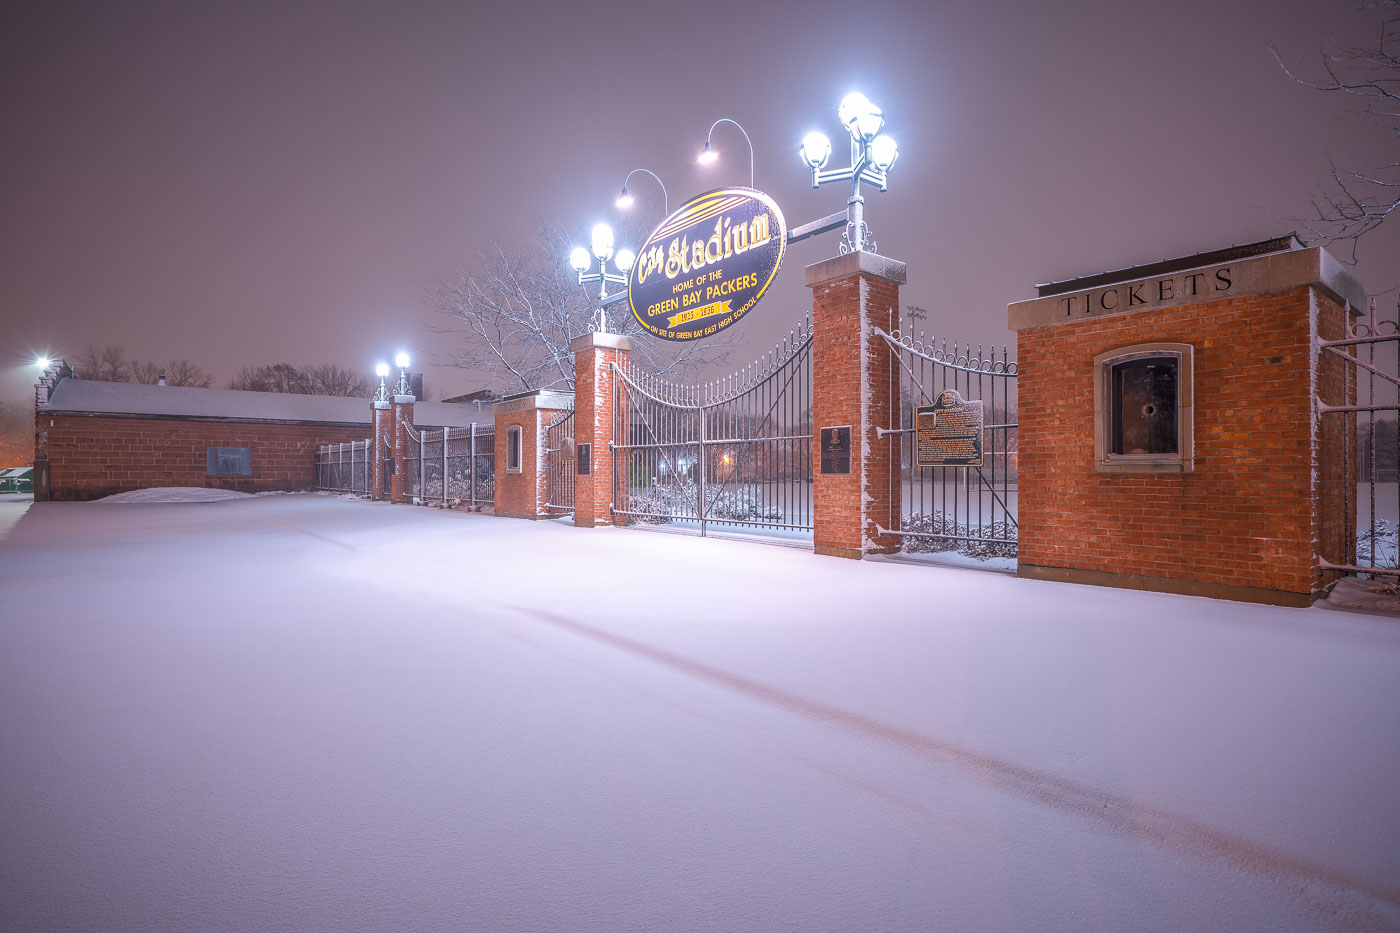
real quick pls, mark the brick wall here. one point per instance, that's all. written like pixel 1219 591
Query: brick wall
pixel 853 383
pixel 97 456
pixel 523 494
pixel 1251 513
pixel 594 357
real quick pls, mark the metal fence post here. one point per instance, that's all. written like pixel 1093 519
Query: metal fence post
pixel 444 465
pixel 703 456
pixel 471 469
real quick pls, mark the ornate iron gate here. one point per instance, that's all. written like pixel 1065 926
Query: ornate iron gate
pixel 735 452
pixel 1370 471
pixel 968 509
pixel 559 463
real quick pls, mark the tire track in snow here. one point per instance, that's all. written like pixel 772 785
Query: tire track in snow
pixel 1119 814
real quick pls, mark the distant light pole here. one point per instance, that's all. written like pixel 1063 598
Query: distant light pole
pixel 382 393
pixel 709 155
pixel 602 251
pixel 401 361
pixel 624 200
pixel 872 155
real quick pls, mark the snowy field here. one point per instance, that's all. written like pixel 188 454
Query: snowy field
pixel 307 713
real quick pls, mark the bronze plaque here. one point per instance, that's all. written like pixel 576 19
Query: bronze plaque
pixel 836 450
pixel 948 432
pixel 585 459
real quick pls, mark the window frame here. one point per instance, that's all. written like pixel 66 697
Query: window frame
pixel 215 459
pixel 515 449
pixel 1184 459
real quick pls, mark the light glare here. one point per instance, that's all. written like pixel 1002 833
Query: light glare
pixel 624 259
pixel 816 149
pixel 43 362
pixel 579 259
pixel 401 361
pixel 708 156
pixel 624 200
pixel 381 370
pixel 603 242
pixel 883 152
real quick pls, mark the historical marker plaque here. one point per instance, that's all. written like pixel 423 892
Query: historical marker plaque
pixel 585 459
pixel 836 450
pixel 948 432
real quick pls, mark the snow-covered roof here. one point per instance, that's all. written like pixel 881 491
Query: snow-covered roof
pixel 90 396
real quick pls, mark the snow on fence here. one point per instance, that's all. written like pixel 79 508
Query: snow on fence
pixel 344 467
pixel 454 465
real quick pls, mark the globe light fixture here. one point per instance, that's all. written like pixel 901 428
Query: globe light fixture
pixel 708 154
pixel 626 200
pixel 382 393
pixel 401 361
pixel 872 157
pixel 43 362
pixel 602 240
pixel 816 150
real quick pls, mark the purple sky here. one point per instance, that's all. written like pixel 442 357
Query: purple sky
pixel 247 182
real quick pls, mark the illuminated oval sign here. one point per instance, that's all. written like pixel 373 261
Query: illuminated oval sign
pixel 706 265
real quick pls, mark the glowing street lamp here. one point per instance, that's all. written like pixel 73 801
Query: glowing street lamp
pixel 382 393
pixel 625 200
pixel 43 362
pixel 401 361
pixel 580 260
pixel 872 156
pixel 709 155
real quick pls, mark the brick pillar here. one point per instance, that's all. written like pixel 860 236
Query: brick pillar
pixel 403 418
pixel 380 422
pixel 523 492
pixel 854 385
pixel 594 356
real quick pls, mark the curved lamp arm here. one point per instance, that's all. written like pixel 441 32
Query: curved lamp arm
pixel 665 199
pixel 711 133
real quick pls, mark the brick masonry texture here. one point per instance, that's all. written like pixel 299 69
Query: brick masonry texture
pixel 593 424
pixel 1253 513
pixel 91 457
pixel 522 494
pixel 841 342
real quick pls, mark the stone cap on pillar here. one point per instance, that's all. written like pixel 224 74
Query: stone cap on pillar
pixel 404 399
pixel 871 264
pixel 609 341
pixel 546 399
pixel 381 404
pixel 1184 283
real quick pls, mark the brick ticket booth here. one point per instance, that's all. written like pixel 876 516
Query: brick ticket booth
pixel 522 476
pixel 1170 431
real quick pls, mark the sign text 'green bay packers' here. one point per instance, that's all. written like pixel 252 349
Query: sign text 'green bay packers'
pixel 707 264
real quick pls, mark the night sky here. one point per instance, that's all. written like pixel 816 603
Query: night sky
pixel 248 182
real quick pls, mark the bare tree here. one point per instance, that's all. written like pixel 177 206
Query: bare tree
pixel 1352 203
pixel 329 379
pixel 519 308
pixel 184 373
pixel 317 379
pixel 105 364
pixel 16 434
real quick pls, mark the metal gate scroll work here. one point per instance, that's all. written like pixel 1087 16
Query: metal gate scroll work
pixel 734 453
pixel 957 457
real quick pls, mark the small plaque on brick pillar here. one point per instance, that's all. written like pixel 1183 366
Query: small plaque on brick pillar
pixel 585 459
pixel 948 432
pixel 836 450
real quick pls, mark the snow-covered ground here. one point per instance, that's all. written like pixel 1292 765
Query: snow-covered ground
pixel 306 713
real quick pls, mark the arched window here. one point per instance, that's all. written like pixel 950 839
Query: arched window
pixel 1143 409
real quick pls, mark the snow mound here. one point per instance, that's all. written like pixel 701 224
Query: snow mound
pixel 176 494
pixel 1379 595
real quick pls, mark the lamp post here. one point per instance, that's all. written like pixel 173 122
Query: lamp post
pixel 708 155
pixel 625 200
pixel 872 156
pixel 381 394
pixel 602 251
pixel 401 361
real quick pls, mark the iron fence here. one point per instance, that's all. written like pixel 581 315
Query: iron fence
pixel 968 509
pixel 344 467
pixel 560 465
pixel 1369 478
pixel 453 465
pixel 733 453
